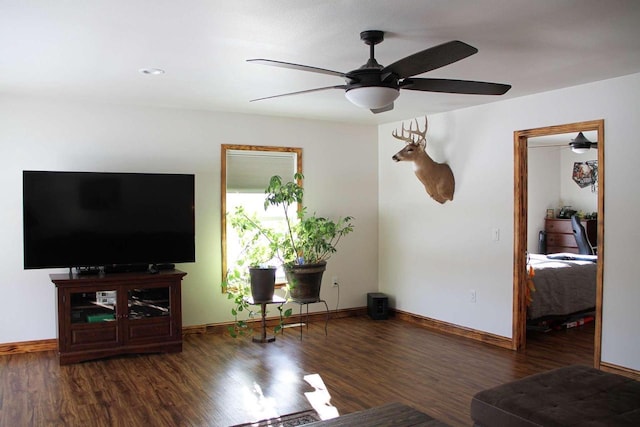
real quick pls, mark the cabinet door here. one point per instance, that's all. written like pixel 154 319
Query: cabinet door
pixel 149 313
pixel 92 318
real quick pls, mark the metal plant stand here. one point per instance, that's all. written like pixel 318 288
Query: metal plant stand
pixel 264 338
pixel 306 302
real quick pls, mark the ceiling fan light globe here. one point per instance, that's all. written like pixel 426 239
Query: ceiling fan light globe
pixel 579 150
pixel 372 97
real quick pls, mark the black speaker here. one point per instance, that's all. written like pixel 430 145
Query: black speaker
pixel 378 306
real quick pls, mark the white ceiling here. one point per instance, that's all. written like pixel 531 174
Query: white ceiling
pixel 81 49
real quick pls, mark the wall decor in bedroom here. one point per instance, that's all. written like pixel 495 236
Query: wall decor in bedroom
pixel 437 178
pixel 586 174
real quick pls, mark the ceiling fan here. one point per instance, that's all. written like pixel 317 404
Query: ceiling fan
pixel 375 87
pixel 579 145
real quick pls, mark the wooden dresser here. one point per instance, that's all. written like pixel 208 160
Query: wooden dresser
pixel 560 235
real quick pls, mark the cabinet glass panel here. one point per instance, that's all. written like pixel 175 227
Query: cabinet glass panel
pixel 148 302
pixel 93 307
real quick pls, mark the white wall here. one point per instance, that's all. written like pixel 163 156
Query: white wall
pixel 46 135
pixel 543 187
pixel 432 255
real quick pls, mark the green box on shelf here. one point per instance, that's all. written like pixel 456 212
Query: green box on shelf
pixel 95 318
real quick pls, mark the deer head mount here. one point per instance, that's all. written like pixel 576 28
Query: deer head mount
pixel 437 178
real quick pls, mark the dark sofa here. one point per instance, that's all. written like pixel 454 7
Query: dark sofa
pixel 568 396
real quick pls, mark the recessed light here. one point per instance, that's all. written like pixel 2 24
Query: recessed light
pixel 151 71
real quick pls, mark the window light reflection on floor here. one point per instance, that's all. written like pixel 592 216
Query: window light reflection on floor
pixel 320 399
pixel 261 407
pixel 257 404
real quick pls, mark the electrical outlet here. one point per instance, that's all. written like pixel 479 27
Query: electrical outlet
pixel 334 280
pixel 472 295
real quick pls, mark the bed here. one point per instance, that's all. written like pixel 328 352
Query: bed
pixel 564 284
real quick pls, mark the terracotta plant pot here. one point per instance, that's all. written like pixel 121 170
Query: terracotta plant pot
pixel 263 283
pixel 305 281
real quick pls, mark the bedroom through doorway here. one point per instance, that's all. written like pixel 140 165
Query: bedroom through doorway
pixel 546 172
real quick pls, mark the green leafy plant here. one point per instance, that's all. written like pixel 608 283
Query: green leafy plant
pixel 308 239
pixel 256 251
pixel 304 239
pixel 239 294
pixel 255 239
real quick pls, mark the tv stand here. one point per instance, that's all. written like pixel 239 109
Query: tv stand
pixel 104 315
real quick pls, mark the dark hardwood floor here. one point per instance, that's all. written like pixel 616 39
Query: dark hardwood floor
pixel 219 381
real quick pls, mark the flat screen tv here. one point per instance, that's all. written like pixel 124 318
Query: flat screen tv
pixel 97 219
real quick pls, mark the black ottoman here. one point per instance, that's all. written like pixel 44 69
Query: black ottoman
pixel 569 396
pixel 390 415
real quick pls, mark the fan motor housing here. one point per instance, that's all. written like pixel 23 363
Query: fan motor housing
pixel 365 77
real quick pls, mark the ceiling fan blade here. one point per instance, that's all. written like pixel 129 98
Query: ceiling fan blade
pixel 562 145
pixel 296 67
pixel 550 146
pixel 455 86
pixel 382 109
pixel 302 91
pixel 430 59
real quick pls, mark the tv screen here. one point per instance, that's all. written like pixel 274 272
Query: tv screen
pixel 94 219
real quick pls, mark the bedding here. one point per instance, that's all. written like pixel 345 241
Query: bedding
pixel 563 285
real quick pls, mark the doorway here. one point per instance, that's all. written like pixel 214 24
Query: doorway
pixel 521 140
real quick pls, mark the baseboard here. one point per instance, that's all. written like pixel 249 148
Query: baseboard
pixel 28 347
pixel 450 328
pixel 317 316
pixel 615 369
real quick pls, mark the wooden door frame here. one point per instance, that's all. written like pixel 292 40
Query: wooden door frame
pixel 520 142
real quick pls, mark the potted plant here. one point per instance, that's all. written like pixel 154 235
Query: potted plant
pixel 255 255
pixel 302 246
pixel 250 276
pixel 306 242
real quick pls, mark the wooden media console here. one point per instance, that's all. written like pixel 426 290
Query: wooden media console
pixel 110 314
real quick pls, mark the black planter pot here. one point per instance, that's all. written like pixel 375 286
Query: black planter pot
pixel 263 283
pixel 305 281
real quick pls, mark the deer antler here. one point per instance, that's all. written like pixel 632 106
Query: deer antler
pixel 415 137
